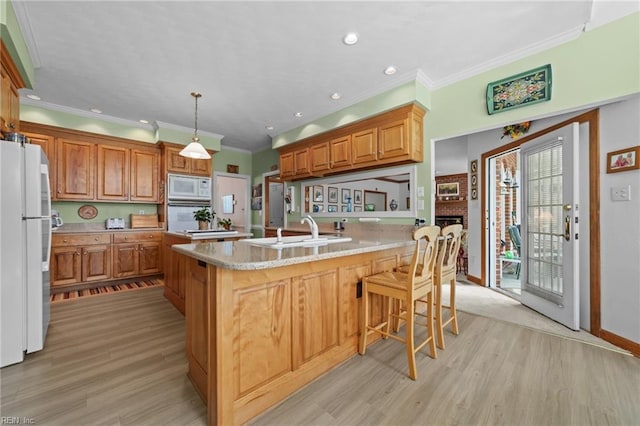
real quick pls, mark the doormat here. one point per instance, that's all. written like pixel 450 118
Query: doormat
pixel 108 289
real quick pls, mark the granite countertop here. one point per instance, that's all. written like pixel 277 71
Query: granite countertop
pixel 241 255
pixel 212 235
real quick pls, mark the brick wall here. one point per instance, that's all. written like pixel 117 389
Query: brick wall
pixel 454 208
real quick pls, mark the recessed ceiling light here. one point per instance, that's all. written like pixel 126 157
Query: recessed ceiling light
pixel 34 97
pixel 96 110
pixel 298 114
pixel 390 70
pixel 335 96
pixel 268 127
pixel 350 39
pixel 144 121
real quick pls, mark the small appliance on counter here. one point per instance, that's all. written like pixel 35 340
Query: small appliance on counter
pixel 56 220
pixel 114 223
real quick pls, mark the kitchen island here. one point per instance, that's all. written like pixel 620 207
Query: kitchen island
pixel 263 322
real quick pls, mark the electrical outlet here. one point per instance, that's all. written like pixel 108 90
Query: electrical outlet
pixel 621 193
pixel 140 211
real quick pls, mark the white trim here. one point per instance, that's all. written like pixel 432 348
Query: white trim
pixel 231 148
pixel 163 125
pixel 22 15
pixel 247 179
pixel 85 114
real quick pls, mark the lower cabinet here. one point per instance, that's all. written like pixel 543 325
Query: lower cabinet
pixel 136 253
pixel 80 258
pixel 86 258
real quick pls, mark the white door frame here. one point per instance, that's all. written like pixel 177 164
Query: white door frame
pixel 216 202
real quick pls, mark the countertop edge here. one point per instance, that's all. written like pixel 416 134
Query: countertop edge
pixel 188 250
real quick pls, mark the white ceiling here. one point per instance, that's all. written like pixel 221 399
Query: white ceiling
pixel 257 63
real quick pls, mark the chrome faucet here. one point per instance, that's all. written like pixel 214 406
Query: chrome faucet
pixel 312 225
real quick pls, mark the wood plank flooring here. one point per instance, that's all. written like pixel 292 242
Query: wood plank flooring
pixel 119 360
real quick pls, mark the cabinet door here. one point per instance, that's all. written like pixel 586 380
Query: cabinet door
pixel 65 265
pixel 301 161
pixel 47 145
pixel 113 173
pixel 10 104
pixel 287 168
pixel 320 157
pixel 145 169
pixel 150 258
pixel 75 167
pixel 340 152
pixel 125 260
pixel 175 162
pixel 96 263
pixel 350 277
pixel 364 146
pixel 393 140
pixel 201 167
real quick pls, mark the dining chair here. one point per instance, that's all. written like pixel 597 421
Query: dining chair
pixel 514 235
pixel 416 285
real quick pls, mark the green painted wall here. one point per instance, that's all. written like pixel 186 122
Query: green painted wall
pixel 262 163
pixel 242 159
pixel 69 210
pixel 13 39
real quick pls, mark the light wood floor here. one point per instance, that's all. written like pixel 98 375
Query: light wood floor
pixel 119 359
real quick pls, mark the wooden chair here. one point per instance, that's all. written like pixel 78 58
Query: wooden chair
pixel 445 270
pixel 415 285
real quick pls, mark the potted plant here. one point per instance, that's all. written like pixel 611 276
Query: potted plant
pixel 204 217
pixel 225 223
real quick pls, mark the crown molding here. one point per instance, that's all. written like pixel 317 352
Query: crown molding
pixel 22 15
pixel 231 148
pixel 163 125
pixel 85 114
pixel 522 53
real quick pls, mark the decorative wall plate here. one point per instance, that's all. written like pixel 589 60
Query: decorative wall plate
pixel 87 211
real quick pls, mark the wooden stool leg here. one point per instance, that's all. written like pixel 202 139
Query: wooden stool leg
pixel 411 354
pixel 388 304
pixel 452 307
pixel 364 330
pixel 437 290
pixel 432 343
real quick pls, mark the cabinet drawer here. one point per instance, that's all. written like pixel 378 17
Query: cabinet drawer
pixel 59 240
pixel 136 237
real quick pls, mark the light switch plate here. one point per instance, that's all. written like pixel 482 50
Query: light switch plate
pixel 621 193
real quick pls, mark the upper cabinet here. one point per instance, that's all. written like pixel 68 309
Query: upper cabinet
pixel 75 170
pixel 175 163
pixel 391 138
pixel 90 167
pixel 10 82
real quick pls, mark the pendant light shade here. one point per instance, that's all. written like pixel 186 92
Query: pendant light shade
pixel 195 149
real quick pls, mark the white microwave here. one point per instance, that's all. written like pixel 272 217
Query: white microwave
pixel 189 188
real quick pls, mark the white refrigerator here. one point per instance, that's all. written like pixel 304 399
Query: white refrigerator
pixel 25 249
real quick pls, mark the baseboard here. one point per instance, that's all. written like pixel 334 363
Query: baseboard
pixel 474 280
pixel 621 342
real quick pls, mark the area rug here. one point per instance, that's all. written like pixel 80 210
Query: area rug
pixel 108 289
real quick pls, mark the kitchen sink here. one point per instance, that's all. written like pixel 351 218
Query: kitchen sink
pixel 295 241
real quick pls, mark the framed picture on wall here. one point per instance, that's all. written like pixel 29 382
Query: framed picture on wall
pixel 332 194
pixel 318 193
pixel 346 194
pixel 623 160
pixel 448 189
pixel 357 196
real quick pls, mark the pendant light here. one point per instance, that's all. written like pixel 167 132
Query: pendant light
pixel 195 149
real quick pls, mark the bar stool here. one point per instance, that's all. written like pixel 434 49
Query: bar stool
pixel 445 270
pixel 415 285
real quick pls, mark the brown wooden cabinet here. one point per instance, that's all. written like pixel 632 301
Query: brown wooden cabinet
pixel 113 173
pixel 10 82
pixel 79 258
pixel 136 254
pixel 340 152
pixel 320 157
pixel 391 138
pixel 75 168
pixel 364 146
pixel 47 144
pixel 145 167
pixel 182 165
